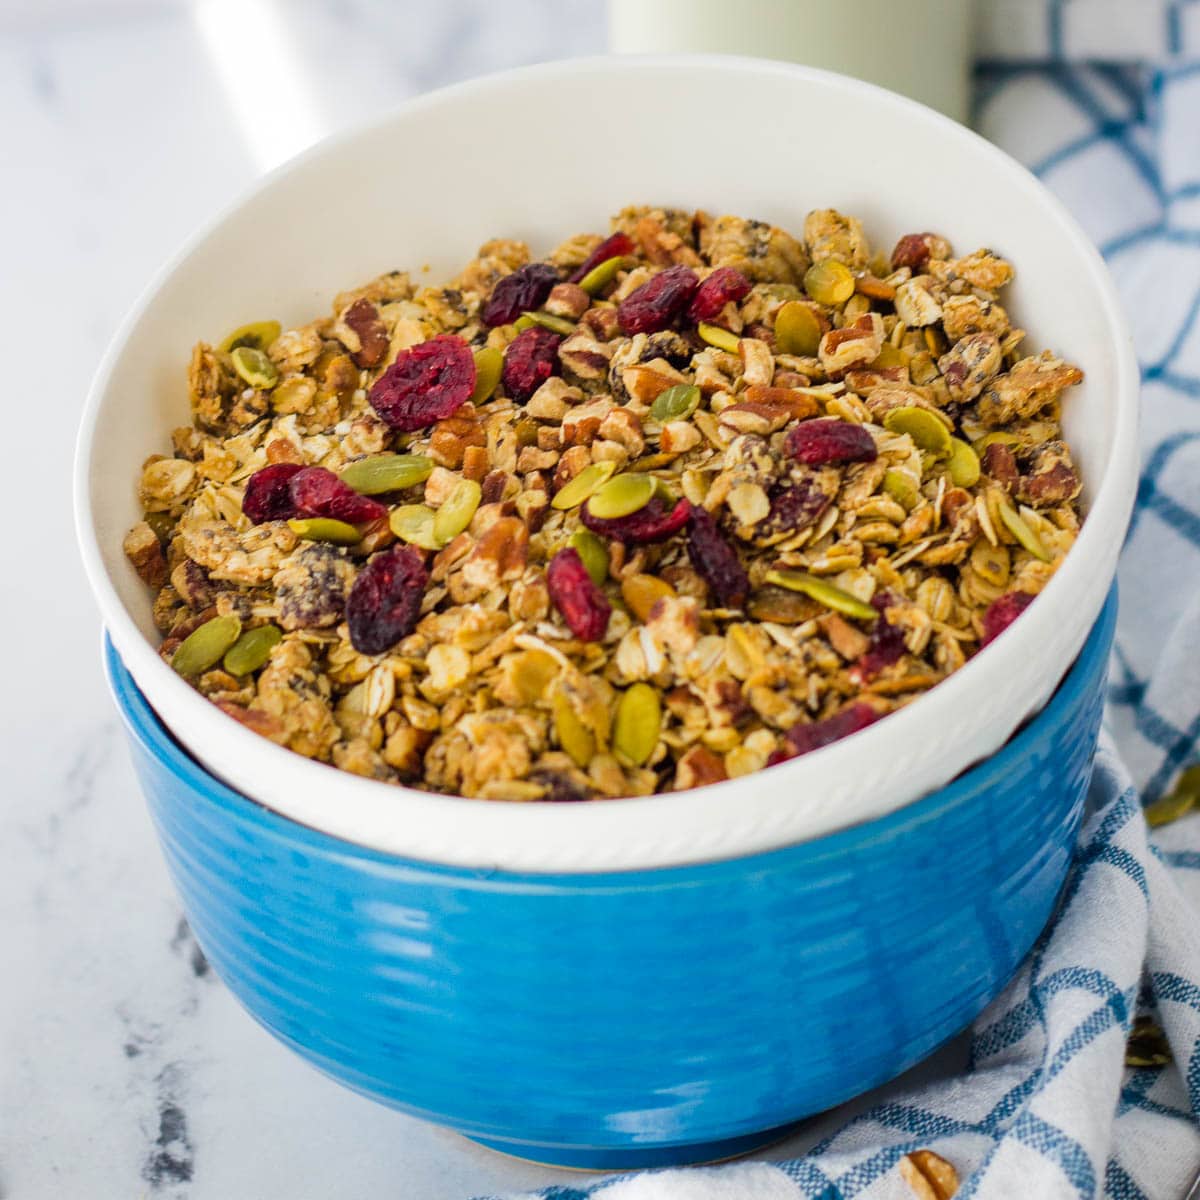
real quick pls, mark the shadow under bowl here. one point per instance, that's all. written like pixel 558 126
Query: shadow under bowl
pixel 636 1018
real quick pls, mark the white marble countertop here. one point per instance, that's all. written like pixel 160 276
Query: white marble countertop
pixel 126 1069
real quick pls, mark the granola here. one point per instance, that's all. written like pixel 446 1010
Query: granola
pixel 659 510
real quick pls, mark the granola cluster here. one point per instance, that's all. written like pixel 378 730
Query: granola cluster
pixel 659 510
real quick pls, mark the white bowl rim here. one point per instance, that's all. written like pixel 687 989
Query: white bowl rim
pixel 628 833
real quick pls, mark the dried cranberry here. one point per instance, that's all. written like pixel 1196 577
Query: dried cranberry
pixel 796 506
pixel 724 286
pixel 886 644
pixel 385 601
pixel 559 789
pixel 803 738
pixel 653 522
pixel 268 497
pixel 317 492
pixel 829 440
pixel 525 289
pixel 611 247
pixel 716 560
pixel 583 605
pixel 1002 612
pixel 912 250
pixel 531 358
pixel 659 302
pixel 428 382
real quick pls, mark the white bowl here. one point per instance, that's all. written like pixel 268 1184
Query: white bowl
pixel 541 153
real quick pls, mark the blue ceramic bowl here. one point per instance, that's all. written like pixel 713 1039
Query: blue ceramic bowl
pixel 645 1017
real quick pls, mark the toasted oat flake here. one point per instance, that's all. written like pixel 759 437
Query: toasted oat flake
pixel 656 443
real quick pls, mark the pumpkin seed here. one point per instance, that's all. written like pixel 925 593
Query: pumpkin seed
pixel 489 362
pixel 546 321
pixel 638 723
pixel 642 592
pixel 902 488
pixel 457 510
pixel 676 403
pixel 890 356
pixel 258 335
pixel 592 552
pixel 1016 525
pixel 1169 808
pixel 829 282
pixel 927 431
pixel 990 563
pixel 782 607
pixel 576 491
pixel 714 335
pixel 963 465
pixel 797 329
pixel 387 473
pixel 573 735
pixel 601 275
pixel 621 496
pixel 996 437
pixel 252 649
pixel 204 647
pixel 823 592
pixel 325 529
pixel 413 523
pixel 255 367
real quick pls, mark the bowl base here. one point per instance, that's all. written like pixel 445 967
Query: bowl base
pixel 636 1158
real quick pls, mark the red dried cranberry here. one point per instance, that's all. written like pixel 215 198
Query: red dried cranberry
pixel 525 289
pixel 724 286
pixel 583 605
pixel 912 250
pixel 1002 612
pixel 829 440
pixel 612 247
pixel 803 738
pixel 659 302
pixel 317 492
pixel 267 495
pixel 531 358
pixel 428 382
pixel 716 560
pixel 654 522
pixel 886 645
pixel 794 507
pixel 385 601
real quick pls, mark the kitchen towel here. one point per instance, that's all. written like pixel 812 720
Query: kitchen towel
pixel 1046 1107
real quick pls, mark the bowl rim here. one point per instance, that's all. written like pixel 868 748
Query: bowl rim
pixel 145 726
pixel 615 831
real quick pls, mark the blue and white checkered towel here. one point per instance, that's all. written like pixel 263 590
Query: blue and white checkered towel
pixel 1046 1107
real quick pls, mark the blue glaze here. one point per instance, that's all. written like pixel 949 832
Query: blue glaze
pixel 637 1018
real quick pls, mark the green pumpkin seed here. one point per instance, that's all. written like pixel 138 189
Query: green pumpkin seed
pixel 823 592
pixel 576 491
pixel 573 735
pixel 413 523
pixel 546 321
pixel 902 488
pixel 258 335
pixel 325 529
pixel 1016 525
pixel 995 438
pixel 622 495
pixel 714 335
pixel 593 553
pixel 255 367
pixel 1169 808
pixel 601 275
pixel 489 362
pixel 829 282
pixel 204 647
pixel 927 431
pixel 457 510
pixel 797 329
pixel 676 403
pixel 963 465
pixel 387 473
pixel 252 649
pixel 638 723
